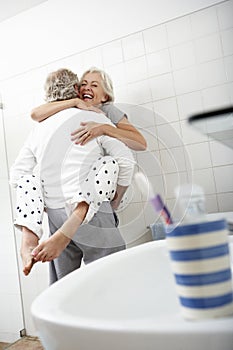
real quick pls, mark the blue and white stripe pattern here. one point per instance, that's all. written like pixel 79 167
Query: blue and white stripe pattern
pixel 200 263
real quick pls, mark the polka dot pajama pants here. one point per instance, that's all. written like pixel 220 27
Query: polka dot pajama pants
pixel 29 204
pixel 99 186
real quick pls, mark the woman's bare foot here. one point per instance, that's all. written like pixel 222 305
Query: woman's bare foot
pixel 51 248
pixel 29 242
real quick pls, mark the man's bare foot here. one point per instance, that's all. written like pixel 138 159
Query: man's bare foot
pixel 51 248
pixel 29 242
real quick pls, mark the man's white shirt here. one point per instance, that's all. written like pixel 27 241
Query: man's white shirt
pixel 61 164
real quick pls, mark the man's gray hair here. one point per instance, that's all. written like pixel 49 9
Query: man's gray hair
pixel 60 85
pixel 106 82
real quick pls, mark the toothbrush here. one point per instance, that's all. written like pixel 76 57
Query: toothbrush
pixel 144 185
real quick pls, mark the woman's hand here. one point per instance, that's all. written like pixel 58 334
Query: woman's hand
pixel 87 131
pixel 48 109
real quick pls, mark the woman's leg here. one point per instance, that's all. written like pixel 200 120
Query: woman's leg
pixel 29 216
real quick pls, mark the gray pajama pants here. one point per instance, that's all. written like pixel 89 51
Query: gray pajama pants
pixel 99 238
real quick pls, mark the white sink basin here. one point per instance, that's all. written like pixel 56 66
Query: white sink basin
pixel 126 301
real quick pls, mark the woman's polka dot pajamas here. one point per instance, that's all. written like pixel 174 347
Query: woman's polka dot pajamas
pixel 29 204
pixel 99 186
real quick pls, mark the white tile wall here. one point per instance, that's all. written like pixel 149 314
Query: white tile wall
pixel 75 63
pixel 224 12
pixel 223 178
pixel 191 135
pixel 216 97
pixel 169 71
pixel 133 46
pixel 189 104
pixel 225 201
pixel 171 181
pixel 155 38
pixel 118 74
pixel 204 22
pixel 166 110
pixel 208 48
pixel 150 162
pixel 227 42
pixel 92 58
pixel 199 154
pixel 162 86
pixel 186 80
pixel 220 154
pixel 229 67
pixel 204 178
pixel 136 69
pixel 212 205
pixel 169 135
pixel 211 74
pixel 182 55
pixel 112 53
pixel 138 92
pixel 14 138
pixel 173 160
pixel 157 182
pixel 3 168
pixel 133 222
pixel 158 62
pixel 179 30
pixel 230 91
pixel 143 116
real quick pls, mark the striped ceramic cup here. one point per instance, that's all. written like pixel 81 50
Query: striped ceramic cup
pixel 200 262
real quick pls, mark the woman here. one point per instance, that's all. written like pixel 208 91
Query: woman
pixel 96 90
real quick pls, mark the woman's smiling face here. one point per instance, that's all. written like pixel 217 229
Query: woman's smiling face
pixel 91 89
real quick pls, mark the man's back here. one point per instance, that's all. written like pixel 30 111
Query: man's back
pixel 63 165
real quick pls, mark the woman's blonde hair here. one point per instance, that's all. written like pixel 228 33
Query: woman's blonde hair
pixel 60 85
pixel 106 82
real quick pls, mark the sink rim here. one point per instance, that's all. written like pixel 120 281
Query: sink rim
pixel 52 298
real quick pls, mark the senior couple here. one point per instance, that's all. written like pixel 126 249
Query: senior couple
pixel 76 165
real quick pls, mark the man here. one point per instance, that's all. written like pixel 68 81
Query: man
pixel 64 169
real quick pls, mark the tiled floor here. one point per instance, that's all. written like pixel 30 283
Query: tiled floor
pixel 26 343
pixel 3 345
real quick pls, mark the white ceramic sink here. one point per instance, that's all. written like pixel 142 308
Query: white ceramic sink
pixel 126 301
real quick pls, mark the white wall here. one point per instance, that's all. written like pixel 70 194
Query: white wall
pixel 162 71
pixel 11 316
pixel 53 30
